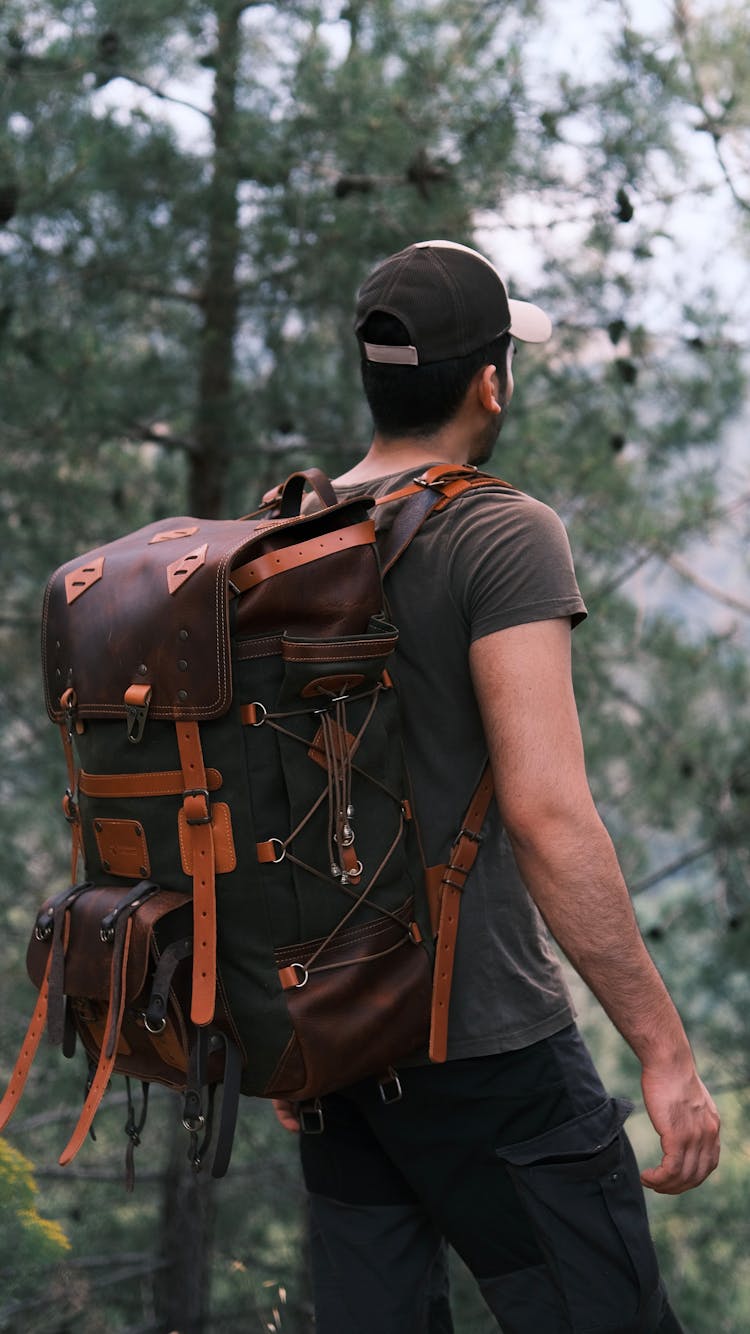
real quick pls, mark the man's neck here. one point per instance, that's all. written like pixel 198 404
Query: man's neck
pixel 391 456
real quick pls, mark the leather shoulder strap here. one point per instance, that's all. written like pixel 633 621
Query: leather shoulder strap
pixel 433 490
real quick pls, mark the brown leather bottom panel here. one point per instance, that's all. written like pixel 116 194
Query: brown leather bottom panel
pixel 358 1018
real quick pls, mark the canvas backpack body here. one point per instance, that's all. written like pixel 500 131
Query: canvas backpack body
pixel 248 905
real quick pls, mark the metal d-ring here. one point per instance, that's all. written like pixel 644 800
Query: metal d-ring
pixel 259 721
pixel 194 1123
pixel 280 842
pixel 154 1026
pixel 303 971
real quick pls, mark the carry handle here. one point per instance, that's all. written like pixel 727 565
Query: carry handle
pixel 291 492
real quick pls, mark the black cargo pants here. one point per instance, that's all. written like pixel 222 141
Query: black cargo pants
pixel 520 1162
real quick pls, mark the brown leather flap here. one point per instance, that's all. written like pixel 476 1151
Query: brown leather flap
pixel 88 959
pixel 151 609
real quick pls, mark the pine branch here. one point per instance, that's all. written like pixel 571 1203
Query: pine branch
pixel 710 125
pixel 153 437
pixel 671 868
pixel 706 586
pixel 159 92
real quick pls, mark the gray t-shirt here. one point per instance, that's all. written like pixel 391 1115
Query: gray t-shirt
pixel 494 558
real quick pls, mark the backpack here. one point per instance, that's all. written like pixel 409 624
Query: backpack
pixel 253 912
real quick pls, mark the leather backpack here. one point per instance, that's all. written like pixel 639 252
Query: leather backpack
pixel 247 906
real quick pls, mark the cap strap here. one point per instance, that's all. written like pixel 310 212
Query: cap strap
pixel 394 356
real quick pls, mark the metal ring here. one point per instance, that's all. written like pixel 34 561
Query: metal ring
pixel 194 1123
pixel 259 721
pixel 280 842
pixel 304 971
pixel 152 1027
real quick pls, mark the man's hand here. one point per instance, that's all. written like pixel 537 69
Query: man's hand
pixel 684 1116
pixel 287 1113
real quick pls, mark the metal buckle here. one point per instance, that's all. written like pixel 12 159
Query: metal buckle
pixel 311 1120
pixel 198 792
pixel 390 1088
pixel 469 833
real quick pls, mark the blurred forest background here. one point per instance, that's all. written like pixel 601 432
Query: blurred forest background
pixel 190 193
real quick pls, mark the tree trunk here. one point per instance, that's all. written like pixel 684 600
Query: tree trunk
pixel 214 411
pixel 183 1285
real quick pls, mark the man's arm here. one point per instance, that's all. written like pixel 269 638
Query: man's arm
pixel 522 680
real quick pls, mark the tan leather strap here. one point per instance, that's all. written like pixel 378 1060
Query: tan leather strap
pixel 302 553
pixel 462 857
pixel 164 783
pixel 27 1053
pixel 197 817
pixel 112 1030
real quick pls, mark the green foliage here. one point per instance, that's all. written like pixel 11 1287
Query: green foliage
pixel 31 1243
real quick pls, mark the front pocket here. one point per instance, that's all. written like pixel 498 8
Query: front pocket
pixel 363 1005
pixel 580 1186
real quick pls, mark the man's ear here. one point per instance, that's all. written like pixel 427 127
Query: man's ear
pixel 487 389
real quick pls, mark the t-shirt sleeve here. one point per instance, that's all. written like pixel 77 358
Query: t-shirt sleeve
pixel 510 563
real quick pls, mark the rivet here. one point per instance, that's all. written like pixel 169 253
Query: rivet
pixel 182 694
pixel 184 634
pixel 182 665
pixel 142 669
pixel 98 826
pixel 58 672
pixel 58 644
pixel 143 870
pixel 105 866
pixel 138 831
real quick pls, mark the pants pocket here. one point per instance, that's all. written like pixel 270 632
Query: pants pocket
pixel 580 1186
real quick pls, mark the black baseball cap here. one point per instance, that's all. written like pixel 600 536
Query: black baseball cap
pixel 450 299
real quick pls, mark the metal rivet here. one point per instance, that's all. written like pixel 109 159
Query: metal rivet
pixel 143 870
pixel 138 831
pixel 182 665
pixel 58 644
pixel 184 634
pixel 98 826
pixel 58 672
pixel 142 669
pixel 182 694
pixel 105 866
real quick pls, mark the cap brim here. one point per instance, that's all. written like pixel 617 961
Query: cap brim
pixel 528 322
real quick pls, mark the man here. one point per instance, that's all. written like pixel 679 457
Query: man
pixel 511 1150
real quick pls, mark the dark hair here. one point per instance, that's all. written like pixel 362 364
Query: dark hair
pixel 418 400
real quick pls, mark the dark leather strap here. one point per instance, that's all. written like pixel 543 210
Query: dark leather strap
pixel 293 488
pixel 230 1102
pixel 112 1030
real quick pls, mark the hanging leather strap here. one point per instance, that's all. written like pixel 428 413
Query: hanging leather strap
pixel 28 1051
pixel 112 1031
pixel 462 857
pixel 197 815
pixel 289 494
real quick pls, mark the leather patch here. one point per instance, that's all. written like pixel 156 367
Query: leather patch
pixel 343 743
pixel 78 581
pixel 224 852
pixel 171 534
pixel 180 570
pixel 122 848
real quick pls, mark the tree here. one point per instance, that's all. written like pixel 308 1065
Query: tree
pixel 189 194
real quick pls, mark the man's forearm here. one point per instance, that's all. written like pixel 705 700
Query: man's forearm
pixel 572 873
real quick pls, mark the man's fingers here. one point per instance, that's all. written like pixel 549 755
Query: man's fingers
pixel 684 1169
pixel 286 1114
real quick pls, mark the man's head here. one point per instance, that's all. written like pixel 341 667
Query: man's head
pixel 429 320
